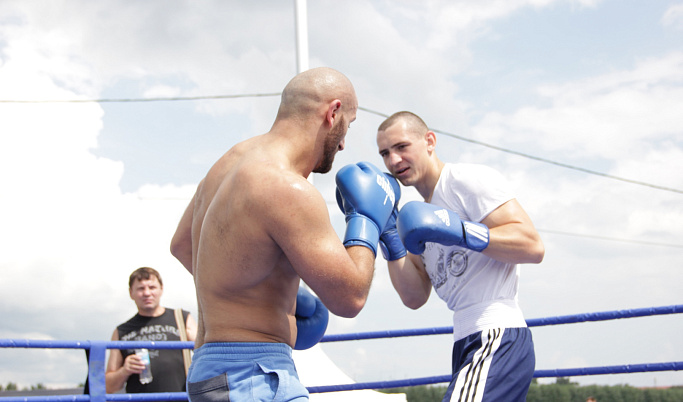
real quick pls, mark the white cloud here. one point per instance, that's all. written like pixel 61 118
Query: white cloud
pixel 161 91
pixel 673 17
pixel 70 236
pixel 615 116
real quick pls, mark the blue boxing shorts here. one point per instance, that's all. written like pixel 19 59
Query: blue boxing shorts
pixel 244 372
pixel 492 365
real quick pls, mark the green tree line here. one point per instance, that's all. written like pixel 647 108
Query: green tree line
pixel 13 387
pixel 561 391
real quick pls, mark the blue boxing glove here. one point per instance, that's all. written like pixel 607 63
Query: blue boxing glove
pixel 420 222
pixel 311 319
pixel 367 198
pixel 389 241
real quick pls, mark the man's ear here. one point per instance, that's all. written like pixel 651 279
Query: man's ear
pixel 430 138
pixel 333 110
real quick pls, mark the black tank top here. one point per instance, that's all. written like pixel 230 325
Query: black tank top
pixel 168 370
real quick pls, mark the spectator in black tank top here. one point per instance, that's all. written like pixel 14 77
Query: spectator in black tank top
pixel 153 322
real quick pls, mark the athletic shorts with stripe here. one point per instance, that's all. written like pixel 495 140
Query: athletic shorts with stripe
pixel 492 365
pixel 223 372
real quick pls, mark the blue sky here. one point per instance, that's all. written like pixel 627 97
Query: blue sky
pixel 92 191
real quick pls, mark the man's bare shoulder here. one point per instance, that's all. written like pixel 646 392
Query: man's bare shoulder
pixel 288 186
pixel 256 178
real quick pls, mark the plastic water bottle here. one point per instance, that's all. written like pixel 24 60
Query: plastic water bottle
pixel 146 375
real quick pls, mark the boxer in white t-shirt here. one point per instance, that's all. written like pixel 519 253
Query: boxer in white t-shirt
pixel 465 240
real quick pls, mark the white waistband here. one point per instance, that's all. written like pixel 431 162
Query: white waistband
pixel 486 315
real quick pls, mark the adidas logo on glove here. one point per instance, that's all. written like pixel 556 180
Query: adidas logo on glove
pixel 443 215
pixel 416 226
pixel 386 186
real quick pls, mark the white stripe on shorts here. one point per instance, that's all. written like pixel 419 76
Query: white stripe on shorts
pixel 469 387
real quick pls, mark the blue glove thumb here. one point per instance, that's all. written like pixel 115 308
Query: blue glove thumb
pixel 389 241
pixel 311 319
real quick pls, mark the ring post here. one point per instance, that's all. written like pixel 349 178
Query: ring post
pixel 98 389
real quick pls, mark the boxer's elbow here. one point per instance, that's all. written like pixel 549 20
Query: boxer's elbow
pixel 178 250
pixel 349 307
pixel 536 253
pixel 412 302
pixel 183 253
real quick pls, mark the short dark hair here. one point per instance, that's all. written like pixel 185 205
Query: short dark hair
pixel 144 273
pixel 414 122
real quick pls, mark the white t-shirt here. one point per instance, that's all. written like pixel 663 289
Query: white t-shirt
pixel 481 291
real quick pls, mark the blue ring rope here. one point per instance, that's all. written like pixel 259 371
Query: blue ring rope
pixel 182 396
pixel 50 344
pixel 97 348
pixel 534 322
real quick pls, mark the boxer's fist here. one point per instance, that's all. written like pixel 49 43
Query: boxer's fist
pixel 311 319
pixel 367 198
pixel 420 222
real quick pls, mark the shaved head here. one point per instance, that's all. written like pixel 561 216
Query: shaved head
pixel 304 94
pixel 412 122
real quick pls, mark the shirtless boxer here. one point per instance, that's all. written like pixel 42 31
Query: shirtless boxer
pixel 256 226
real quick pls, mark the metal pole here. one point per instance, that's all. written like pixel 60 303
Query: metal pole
pixel 301 27
pixel 300 19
